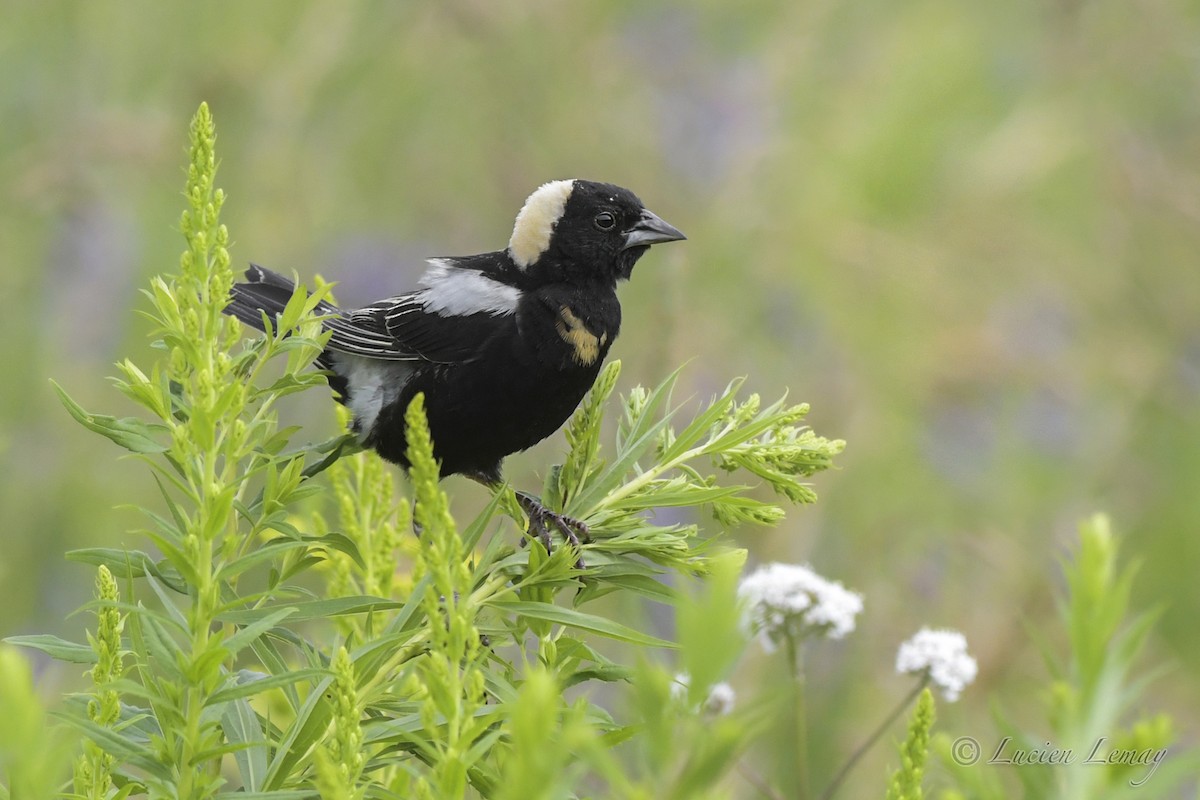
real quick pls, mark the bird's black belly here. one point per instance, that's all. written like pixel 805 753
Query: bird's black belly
pixel 479 412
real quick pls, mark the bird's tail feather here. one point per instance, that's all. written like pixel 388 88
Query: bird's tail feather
pixel 267 291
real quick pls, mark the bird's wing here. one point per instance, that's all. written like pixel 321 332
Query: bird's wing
pixel 449 321
pixel 363 335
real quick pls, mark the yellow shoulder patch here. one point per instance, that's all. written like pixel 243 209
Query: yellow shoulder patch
pixel 585 343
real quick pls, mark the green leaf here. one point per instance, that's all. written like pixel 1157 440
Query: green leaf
pixel 292 383
pixel 269 656
pixel 642 434
pixel 255 629
pixel 646 416
pixel 241 727
pixel 181 523
pixel 611 673
pixel 402 727
pixel 56 648
pixel 315 609
pixel 268 551
pixel 571 618
pixel 676 493
pixel 330 450
pixel 583 434
pixel 340 542
pixel 257 686
pixel 474 531
pixel 699 427
pixel 306 730
pixel 283 794
pixel 290 317
pixel 483 745
pixel 400 632
pixel 640 443
pixel 131 433
pixel 127 564
pixel 640 584
pixel 175 556
pixel 172 612
pixel 277 547
pixel 338 447
pixel 158 645
pixel 137 754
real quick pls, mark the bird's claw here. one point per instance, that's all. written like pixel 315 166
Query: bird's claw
pixel 573 531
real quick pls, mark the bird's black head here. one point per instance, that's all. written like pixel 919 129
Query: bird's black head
pixel 582 231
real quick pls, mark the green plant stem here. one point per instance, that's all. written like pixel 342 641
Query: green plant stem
pixel 870 741
pixel 796 666
pixel 756 780
pixel 658 470
pixel 203 615
pixel 645 478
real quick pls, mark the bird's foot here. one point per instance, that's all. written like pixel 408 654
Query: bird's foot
pixel 573 531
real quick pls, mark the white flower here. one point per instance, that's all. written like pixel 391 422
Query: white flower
pixel 942 655
pixel 720 698
pixel 783 599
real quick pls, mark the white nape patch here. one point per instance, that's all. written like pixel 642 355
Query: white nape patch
pixel 455 292
pixel 536 220
pixel 371 384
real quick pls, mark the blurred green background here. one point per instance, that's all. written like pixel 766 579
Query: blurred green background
pixel 965 232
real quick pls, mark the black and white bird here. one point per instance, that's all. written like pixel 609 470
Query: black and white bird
pixel 504 345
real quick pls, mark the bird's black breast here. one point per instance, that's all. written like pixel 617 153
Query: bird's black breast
pixel 528 379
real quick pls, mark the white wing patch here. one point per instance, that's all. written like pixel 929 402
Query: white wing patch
pixel 455 292
pixel 371 384
pixel 536 220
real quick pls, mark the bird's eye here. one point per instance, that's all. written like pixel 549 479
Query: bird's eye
pixel 605 221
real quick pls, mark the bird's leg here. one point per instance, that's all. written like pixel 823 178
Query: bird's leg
pixel 574 531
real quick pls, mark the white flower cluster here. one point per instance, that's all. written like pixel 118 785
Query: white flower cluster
pixel 720 698
pixel 942 655
pixel 784 600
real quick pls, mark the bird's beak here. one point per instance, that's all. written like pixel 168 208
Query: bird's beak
pixel 651 229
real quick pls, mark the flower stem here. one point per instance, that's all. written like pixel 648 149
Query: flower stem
pixel 796 666
pixel 756 780
pixel 870 741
